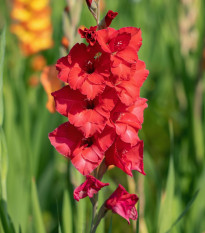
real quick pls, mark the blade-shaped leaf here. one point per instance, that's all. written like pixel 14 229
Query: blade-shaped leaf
pixel 67 214
pixel 165 213
pixel 166 205
pixel 2 52
pixel 185 211
pixel 38 221
pixel 3 165
pixel 59 228
pixel 110 226
pixel 5 219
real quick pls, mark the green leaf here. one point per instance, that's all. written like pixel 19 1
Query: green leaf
pixel 38 221
pixel 5 219
pixel 110 226
pixel 67 214
pixel 165 212
pixel 59 228
pixel 2 52
pixel 185 211
pixel 166 205
pixel 3 165
pixel 80 220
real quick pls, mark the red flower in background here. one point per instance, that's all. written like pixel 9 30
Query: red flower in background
pixel 90 187
pixel 85 153
pixel 86 69
pixel 123 203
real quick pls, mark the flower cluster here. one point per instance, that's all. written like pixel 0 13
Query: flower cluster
pixel 102 102
pixel 32 25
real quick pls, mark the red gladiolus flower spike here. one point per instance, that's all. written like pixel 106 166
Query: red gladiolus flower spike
pixel 90 187
pixel 85 153
pixel 101 100
pixel 85 68
pixel 123 203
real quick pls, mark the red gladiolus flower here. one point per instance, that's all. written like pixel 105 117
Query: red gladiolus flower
pixel 125 42
pixel 109 17
pixel 125 156
pixel 85 153
pixel 90 187
pixel 123 45
pixel 85 68
pixel 128 120
pixel 128 90
pixel 89 34
pixel 90 116
pixel 123 203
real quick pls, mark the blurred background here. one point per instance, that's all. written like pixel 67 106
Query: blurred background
pixel 36 183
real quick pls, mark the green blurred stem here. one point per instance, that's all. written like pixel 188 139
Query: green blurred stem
pixel 98 12
pixel 101 214
pixel 94 202
pixel 96 217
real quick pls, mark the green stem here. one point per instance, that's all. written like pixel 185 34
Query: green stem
pixel 98 12
pixel 99 216
pixel 94 202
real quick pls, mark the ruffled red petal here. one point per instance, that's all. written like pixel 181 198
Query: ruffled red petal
pixel 123 203
pixel 126 157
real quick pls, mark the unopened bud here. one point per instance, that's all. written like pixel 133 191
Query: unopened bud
pixel 107 20
pixel 89 2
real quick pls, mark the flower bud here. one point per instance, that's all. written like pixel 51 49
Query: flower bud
pixel 107 20
pixel 89 2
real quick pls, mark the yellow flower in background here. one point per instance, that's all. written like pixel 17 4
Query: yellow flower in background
pixel 32 25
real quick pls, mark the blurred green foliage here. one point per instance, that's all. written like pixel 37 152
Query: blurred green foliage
pixel 37 193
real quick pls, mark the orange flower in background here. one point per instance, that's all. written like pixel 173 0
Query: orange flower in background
pixel 50 84
pixel 32 25
pixel 38 63
pixel 33 81
pixel 65 42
